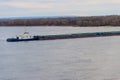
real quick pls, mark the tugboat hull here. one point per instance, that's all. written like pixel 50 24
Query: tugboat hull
pixel 17 39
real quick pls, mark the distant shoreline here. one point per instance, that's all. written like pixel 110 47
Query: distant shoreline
pixel 89 21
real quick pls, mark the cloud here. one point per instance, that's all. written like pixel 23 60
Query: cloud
pixel 24 5
pixel 42 4
pixel 59 7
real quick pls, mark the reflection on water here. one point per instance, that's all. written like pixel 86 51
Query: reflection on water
pixel 69 59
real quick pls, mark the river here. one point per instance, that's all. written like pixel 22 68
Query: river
pixel 95 58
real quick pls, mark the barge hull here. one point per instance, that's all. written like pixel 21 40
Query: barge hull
pixel 79 35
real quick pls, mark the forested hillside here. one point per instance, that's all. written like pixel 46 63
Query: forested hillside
pixel 113 20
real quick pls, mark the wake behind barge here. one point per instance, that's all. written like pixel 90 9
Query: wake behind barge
pixel 27 37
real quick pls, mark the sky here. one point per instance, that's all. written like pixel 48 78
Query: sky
pixel 41 8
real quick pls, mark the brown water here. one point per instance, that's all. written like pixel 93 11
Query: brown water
pixel 69 59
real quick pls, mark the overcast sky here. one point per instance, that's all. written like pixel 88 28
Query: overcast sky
pixel 32 8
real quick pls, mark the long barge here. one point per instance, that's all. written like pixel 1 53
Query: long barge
pixel 25 37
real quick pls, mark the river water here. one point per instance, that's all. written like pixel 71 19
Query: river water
pixel 68 59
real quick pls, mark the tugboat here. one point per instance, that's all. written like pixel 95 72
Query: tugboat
pixel 24 37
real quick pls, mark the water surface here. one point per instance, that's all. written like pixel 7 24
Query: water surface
pixel 68 59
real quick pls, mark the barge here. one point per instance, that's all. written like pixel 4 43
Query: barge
pixel 27 37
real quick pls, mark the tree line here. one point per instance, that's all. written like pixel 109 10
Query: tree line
pixel 113 20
